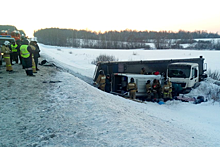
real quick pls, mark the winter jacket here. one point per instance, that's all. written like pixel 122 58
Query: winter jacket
pixel 166 88
pixel 37 51
pixel 101 82
pixel 156 87
pixel 132 87
pixel 107 84
pixel 167 91
pixel 6 50
pixel 148 88
pixel 170 85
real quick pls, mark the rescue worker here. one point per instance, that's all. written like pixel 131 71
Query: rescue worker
pixel 156 88
pixel 148 90
pixel 108 83
pixel 6 50
pixel 177 89
pixel 143 71
pixel 132 89
pixel 166 91
pixel 171 87
pixel 14 54
pixel 18 42
pixel 26 54
pixel 36 53
pixel 33 61
pixel 101 80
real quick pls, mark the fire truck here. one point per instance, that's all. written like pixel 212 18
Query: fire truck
pixel 14 34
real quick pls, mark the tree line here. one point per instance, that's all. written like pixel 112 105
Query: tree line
pixel 124 39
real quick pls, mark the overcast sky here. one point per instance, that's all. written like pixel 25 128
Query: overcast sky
pixel 101 15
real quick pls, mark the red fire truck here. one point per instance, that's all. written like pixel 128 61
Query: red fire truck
pixel 14 34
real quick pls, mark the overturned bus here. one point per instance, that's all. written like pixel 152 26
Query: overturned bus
pixel 186 73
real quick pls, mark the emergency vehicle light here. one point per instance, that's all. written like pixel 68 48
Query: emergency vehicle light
pixel 5 36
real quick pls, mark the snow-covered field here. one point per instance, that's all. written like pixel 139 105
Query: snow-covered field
pixel 80 59
pixel 35 112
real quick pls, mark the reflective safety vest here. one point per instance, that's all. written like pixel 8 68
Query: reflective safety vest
pixel 13 48
pixel 166 88
pixel 24 51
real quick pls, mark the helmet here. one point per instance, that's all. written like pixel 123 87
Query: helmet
pixel 101 72
pixel 25 42
pixel 132 80
pixel 6 43
pixel 32 43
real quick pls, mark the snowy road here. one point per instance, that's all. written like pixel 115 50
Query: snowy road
pixel 35 112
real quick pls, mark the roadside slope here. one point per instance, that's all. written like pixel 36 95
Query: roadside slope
pixel 56 108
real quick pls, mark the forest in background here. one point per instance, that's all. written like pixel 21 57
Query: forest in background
pixel 124 39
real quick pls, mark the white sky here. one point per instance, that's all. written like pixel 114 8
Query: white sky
pixel 101 15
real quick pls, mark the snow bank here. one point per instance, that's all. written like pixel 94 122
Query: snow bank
pixel 37 112
pixel 207 89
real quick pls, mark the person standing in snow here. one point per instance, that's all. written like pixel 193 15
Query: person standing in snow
pixel 26 54
pixel 101 80
pixel 36 53
pixel 108 83
pixel 171 87
pixel 6 50
pixel 166 91
pixel 132 88
pixel 148 90
pixel 33 62
pixel 156 88
pixel 18 42
pixel 14 54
